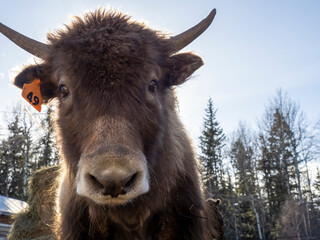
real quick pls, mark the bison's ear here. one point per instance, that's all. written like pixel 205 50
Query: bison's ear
pixel 47 87
pixel 214 202
pixel 181 66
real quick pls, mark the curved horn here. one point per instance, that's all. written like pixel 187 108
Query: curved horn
pixel 185 38
pixel 32 46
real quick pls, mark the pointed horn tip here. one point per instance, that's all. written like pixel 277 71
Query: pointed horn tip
pixel 212 14
pixel 183 39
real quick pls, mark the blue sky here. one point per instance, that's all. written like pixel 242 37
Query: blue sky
pixel 252 49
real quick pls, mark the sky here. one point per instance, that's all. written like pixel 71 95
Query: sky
pixel 252 49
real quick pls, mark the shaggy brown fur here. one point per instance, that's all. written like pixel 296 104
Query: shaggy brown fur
pixel 108 64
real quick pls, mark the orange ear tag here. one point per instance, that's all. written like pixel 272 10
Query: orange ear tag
pixel 31 92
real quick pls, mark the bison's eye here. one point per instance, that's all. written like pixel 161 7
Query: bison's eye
pixel 153 85
pixel 64 90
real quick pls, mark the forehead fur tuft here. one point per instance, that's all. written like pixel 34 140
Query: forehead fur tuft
pixel 104 48
pixel 104 28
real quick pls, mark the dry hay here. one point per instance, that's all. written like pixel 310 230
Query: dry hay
pixel 36 221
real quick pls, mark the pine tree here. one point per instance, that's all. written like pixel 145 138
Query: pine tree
pixel 4 168
pixel 230 209
pixel 48 153
pixel 242 158
pixel 316 186
pixel 282 148
pixel 14 155
pixel 211 145
pixel 315 210
pixel 27 125
pixel 275 164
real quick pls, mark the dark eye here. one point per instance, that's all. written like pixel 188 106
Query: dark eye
pixel 64 90
pixel 153 85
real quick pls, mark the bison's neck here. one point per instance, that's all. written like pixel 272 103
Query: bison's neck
pixel 140 224
pixel 130 218
pixel 181 219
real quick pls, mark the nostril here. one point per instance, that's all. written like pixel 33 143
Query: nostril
pixel 129 182
pixel 95 181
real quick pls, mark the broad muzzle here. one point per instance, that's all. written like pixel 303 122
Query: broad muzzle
pixel 112 175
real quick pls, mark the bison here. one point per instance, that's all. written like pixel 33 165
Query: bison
pixel 128 169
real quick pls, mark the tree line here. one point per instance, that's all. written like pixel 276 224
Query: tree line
pixel 263 175
pixel 27 144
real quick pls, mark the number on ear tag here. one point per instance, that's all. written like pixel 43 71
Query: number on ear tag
pixel 31 92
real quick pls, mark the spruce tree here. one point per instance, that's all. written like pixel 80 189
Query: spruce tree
pixel 275 164
pixel 316 193
pixel 283 136
pixel 242 159
pixel 230 209
pixel 14 155
pixel 48 153
pixel 4 168
pixel 211 145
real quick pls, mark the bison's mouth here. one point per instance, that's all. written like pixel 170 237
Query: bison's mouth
pixel 112 202
pixel 139 185
pixel 112 177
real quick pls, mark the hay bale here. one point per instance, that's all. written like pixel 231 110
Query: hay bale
pixel 36 222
